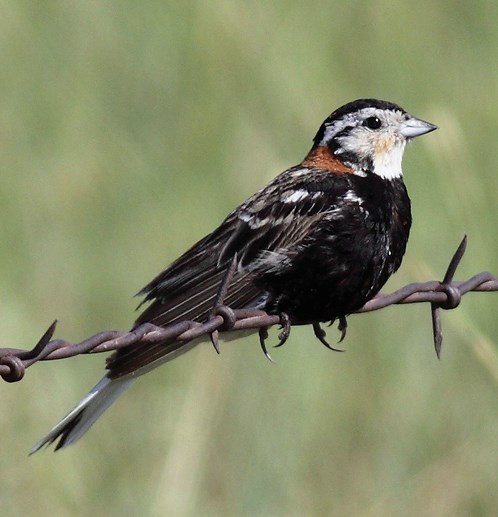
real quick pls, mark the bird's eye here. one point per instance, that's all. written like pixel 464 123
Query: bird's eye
pixel 372 123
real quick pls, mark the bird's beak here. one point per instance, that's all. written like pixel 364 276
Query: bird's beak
pixel 413 127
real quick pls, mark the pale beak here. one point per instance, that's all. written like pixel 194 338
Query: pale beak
pixel 413 127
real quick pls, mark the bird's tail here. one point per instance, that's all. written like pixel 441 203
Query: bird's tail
pixel 77 422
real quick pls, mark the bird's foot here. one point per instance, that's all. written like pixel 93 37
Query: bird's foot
pixel 321 335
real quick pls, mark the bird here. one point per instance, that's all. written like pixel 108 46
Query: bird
pixel 315 244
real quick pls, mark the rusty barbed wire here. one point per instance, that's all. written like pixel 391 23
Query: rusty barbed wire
pixel 445 294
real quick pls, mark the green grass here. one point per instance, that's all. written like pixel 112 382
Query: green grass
pixel 126 133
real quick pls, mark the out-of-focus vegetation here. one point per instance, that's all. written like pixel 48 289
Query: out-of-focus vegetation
pixel 127 131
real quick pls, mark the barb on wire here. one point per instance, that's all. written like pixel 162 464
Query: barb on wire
pixel 445 294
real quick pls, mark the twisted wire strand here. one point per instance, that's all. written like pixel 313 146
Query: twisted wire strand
pixel 445 294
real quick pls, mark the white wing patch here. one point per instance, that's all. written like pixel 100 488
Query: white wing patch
pixel 295 196
pixel 244 216
pixel 353 198
pixel 271 261
pixel 298 195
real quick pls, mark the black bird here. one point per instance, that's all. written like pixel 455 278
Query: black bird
pixel 316 243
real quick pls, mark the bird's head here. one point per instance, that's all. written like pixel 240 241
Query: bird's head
pixel 369 136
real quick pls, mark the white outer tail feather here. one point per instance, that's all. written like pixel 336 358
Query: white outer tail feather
pixel 103 395
pixel 98 400
pixel 88 410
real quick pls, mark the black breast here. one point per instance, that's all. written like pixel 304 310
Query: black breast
pixel 348 256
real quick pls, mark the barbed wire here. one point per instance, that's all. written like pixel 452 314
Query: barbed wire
pixel 445 294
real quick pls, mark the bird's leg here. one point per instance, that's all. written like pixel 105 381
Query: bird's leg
pixel 343 327
pixel 285 323
pixel 218 301
pixel 283 336
pixel 321 335
pixel 225 283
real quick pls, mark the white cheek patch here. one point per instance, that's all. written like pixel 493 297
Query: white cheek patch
pixel 385 153
pixel 377 151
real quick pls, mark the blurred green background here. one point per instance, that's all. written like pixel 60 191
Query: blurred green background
pixel 129 131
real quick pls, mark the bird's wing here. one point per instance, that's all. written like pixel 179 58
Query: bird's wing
pixel 261 231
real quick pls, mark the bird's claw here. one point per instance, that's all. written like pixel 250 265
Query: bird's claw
pixel 343 328
pixel 263 336
pixel 286 329
pixel 321 335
